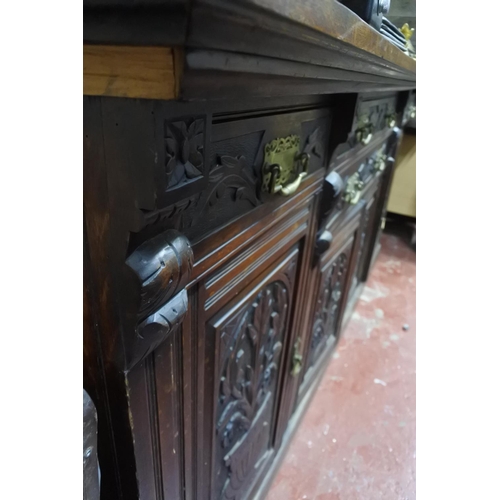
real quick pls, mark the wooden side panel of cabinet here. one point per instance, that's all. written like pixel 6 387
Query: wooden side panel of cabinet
pixel 155 395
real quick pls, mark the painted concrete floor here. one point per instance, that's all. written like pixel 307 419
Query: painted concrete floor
pixel 357 438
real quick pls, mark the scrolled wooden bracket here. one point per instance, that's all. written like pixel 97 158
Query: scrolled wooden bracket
pixel 323 243
pixel 333 188
pixel 161 267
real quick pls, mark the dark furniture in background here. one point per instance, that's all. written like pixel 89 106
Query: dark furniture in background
pixel 237 160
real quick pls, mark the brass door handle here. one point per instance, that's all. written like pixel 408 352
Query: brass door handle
pixel 296 365
pixel 296 360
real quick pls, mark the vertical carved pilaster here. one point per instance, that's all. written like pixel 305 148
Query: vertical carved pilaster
pixel 162 267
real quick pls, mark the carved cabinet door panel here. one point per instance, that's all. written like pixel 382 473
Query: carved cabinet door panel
pixel 364 252
pixel 333 284
pixel 245 344
pixel 331 281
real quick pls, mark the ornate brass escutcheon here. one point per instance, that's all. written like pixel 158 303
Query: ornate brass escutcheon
pixel 284 166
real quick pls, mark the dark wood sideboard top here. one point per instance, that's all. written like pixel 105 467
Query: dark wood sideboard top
pixel 216 49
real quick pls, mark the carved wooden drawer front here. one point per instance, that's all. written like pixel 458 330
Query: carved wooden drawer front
pixel 244 363
pixel 234 179
pixel 373 114
pixel 347 184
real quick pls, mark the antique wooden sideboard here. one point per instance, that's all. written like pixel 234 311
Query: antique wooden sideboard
pixel 237 162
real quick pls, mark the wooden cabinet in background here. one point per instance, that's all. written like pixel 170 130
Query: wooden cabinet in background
pixel 403 193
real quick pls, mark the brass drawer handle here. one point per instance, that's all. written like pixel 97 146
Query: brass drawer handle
pixel 379 165
pixel 391 120
pixel 364 135
pixel 353 189
pixel 292 187
pixel 283 162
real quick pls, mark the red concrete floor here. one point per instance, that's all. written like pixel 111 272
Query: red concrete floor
pixel 357 438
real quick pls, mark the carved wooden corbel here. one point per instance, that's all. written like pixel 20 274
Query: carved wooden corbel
pixel 333 189
pixel 162 268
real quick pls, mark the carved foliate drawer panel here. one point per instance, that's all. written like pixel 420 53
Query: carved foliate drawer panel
pixel 373 114
pixel 347 183
pixel 211 169
pixel 248 336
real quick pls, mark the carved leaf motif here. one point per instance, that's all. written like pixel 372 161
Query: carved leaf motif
pixel 191 129
pixel 183 129
pixel 238 384
pixel 171 166
pixel 175 214
pixel 172 146
pixel 220 190
pixel 230 173
pixel 225 388
pixel 327 306
pixel 184 158
pixel 177 174
pixel 252 331
pixel 185 150
pixel 230 162
pixel 195 157
pixel 313 143
pixel 191 171
pixel 216 174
